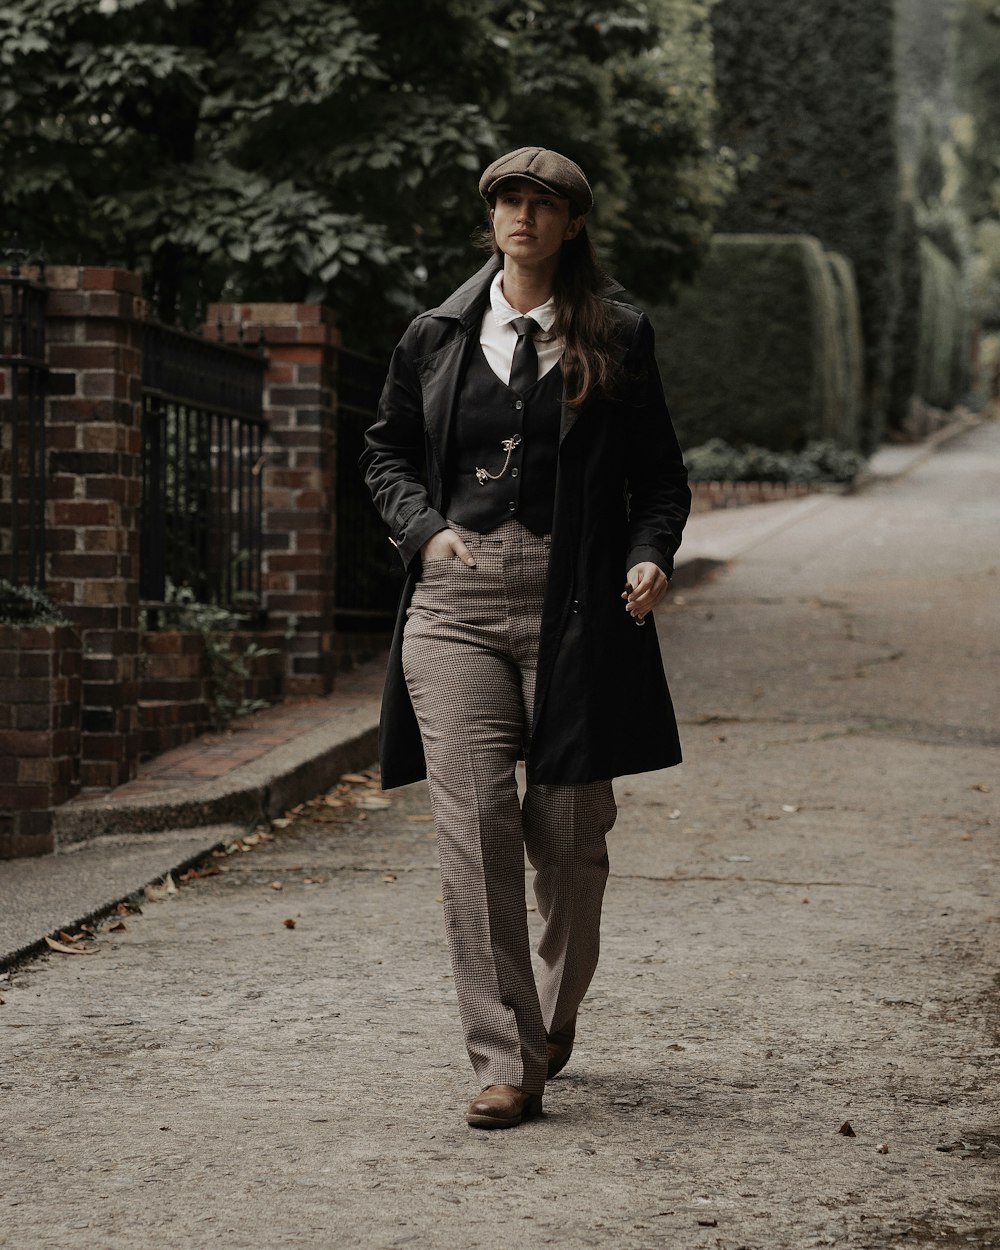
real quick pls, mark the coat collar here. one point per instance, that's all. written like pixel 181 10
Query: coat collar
pixel 441 370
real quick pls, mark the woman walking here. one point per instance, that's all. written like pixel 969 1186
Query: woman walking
pixel 525 463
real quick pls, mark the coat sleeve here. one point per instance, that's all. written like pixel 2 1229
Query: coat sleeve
pixel 659 498
pixel 394 459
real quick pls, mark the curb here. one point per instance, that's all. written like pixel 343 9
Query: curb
pixel 919 453
pixel 81 913
pixel 251 794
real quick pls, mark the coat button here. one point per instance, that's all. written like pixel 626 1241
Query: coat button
pixel 512 506
pixel 518 404
pixel 514 472
pixel 576 605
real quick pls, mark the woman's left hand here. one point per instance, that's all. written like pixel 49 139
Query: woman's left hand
pixel 647 584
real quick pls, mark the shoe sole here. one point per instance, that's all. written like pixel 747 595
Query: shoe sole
pixel 532 1108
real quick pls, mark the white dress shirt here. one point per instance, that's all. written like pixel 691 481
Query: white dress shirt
pixel 499 338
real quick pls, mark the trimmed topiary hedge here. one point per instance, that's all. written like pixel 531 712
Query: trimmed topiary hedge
pixel 765 347
pixel 931 354
pixel 806 91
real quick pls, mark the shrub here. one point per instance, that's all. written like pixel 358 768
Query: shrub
pixel 765 347
pixel 819 461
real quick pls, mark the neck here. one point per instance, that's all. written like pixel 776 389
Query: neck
pixel 528 288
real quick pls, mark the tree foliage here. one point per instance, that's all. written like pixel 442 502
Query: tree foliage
pixel 310 149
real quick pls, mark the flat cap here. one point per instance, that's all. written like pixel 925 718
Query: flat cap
pixel 549 169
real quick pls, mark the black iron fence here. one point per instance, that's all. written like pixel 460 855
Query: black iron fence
pixel 368 570
pixel 23 379
pixel 202 463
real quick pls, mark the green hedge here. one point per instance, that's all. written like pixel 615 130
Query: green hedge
pixel 806 90
pixel 940 373
pixel 931 353
pixel 765 348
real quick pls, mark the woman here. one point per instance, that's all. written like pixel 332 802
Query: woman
pixel 525 463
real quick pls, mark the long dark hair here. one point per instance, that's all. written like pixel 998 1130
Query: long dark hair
pixel 583 319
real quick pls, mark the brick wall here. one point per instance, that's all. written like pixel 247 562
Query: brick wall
pixel 299 478
pixel 95 356
pixel 174 684
pixel 39 732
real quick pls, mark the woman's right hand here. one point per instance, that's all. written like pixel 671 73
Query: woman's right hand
pixel 443 545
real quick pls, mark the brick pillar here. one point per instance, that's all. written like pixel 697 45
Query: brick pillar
pixel 299 478
pixel 94 330
pixel 39 733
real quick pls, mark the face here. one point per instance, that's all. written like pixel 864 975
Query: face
pixel 530 223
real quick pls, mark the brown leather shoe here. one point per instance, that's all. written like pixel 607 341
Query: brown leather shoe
pixel 559 1046
pixel 502 1106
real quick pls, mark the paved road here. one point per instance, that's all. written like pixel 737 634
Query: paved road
pixel 801 931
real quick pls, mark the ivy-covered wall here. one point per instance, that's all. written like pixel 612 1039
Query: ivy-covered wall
pixel 806 94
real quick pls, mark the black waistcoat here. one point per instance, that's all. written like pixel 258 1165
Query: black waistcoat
pixel 489 414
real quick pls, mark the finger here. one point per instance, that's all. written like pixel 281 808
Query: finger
pixel 463 552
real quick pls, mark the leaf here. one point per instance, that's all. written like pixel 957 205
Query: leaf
pixel 70 950
pixel 354 778
pixel 117 928
pixel 373 802
pixel 846 1130
pixel 289 923
pixel 276 885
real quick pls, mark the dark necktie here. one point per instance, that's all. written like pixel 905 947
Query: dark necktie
pixel 524 368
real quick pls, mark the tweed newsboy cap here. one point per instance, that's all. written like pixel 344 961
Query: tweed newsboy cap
pixel 550 170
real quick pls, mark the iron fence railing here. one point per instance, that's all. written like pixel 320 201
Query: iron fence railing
pixel 202 462
pixel 368 570
pixel 23 384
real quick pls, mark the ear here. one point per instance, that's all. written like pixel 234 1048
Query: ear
pixel 573 228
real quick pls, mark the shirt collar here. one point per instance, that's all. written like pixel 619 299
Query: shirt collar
pixel 504 313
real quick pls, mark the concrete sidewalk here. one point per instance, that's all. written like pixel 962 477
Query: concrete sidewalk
pixel 189 801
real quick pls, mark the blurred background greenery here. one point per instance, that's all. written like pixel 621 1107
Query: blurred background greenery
pixel 806 196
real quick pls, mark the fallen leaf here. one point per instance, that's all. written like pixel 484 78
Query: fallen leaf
pixel 882 1148
pixel 2 1001
pixel 389 876
pixel 332 802
pixel 276 885
pixel 846 1129
pixel 789 807
pixel 289 923
pixel 192 873
pixel 373 802
pixel 708 1223
pixel 983 789
pixel 157 891
pixel 740 859
pixel 70 950
pixel 354 779
pixel 70 937
pixel 281 822
pixel 117 928
pixel 675 814
pixel 295 810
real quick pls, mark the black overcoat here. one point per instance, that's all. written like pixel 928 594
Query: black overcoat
pixel 602 708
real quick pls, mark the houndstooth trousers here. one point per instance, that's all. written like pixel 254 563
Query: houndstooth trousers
pixel 470 651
